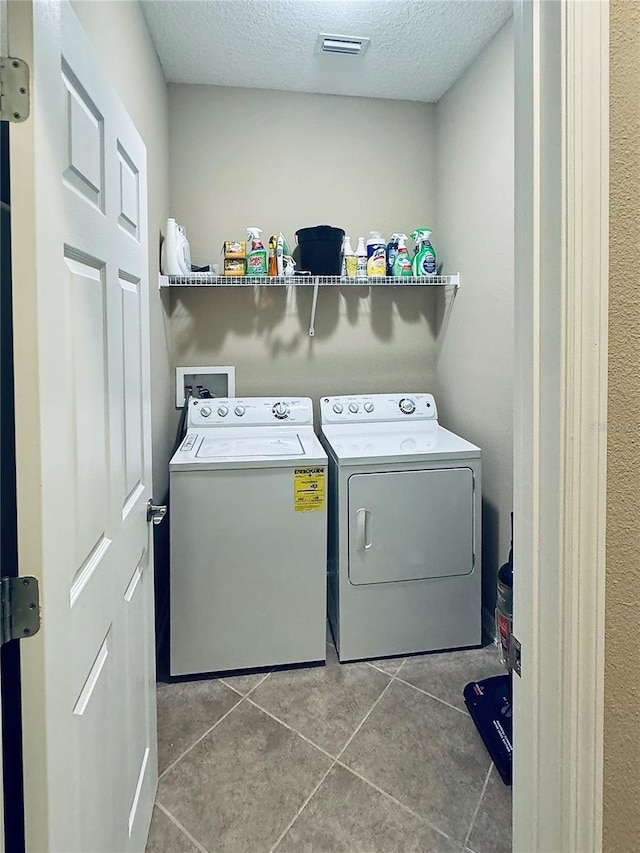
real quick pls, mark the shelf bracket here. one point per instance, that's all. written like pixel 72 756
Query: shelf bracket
pixel 450 293
pixel 314 305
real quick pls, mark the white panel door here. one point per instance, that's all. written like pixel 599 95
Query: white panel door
pixel 410 525
pixel 84 463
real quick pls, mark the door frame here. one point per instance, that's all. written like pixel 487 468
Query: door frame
pixel 561 300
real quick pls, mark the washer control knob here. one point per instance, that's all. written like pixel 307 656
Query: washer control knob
pixel 368 407
pixel 354 407
pixel 280 411
pixel 223 411
pixel 407 406
pixel 205 411
pixel 337 408
pixel 239 410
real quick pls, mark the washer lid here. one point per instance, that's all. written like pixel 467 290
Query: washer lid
pixel 282 444
pixel 386 442
pixel 264 447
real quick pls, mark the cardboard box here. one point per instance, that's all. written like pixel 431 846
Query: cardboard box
pixel 234 266
pixel 235 249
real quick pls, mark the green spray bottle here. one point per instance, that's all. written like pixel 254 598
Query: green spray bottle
pixel 401 263
pixel 256 253
pixel 424 260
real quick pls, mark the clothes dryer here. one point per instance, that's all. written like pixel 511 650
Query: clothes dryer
pixel 404 527
pixel 248 537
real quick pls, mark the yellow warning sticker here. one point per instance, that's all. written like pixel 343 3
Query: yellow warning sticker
pixel 308 489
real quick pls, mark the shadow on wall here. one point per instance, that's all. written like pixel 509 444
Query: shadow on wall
pixel 161 574
pixel 204 319
pixel 490 564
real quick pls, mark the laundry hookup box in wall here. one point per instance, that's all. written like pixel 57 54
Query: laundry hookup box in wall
pixel 215 380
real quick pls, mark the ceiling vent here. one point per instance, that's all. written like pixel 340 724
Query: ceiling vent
pixel 347 45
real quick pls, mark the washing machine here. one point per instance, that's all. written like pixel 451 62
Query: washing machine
pixel 404 541
pixel 248 537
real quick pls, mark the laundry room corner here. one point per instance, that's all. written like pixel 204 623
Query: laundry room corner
pixel 285 160
pixel 474 387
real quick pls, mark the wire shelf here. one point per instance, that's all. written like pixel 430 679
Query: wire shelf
pixel 204 280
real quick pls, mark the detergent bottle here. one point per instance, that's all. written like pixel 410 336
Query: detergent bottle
pixel 402 264
pixel 256 254
pixel 176 256
pixel 424 260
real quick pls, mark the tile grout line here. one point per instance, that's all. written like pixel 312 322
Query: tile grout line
pixel 302 807
pixel 335 761
pixel 395 800
pixel 209 730
pixel 202 737
pixel 290 728
pixel 365 718
pixel 431 696
pixel 381 790
pixel 478 804
pixel 384 671
pixel 235 689
pixel 182 829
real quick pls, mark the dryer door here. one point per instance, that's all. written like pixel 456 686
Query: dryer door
pixel 410 525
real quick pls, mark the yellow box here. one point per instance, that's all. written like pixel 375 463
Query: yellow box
pixel 235 249
pixel 234 266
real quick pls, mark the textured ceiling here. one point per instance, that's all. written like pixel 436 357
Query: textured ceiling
pixel 418 47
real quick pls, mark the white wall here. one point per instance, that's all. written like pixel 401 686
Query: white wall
pixel 283 161
pixel 475 145
pixel 119 34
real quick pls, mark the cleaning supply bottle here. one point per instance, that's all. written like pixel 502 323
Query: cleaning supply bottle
pixel 392 250
pixel 361 256
pixel 273 265
pixel 350 259
pixel 256 254
pixel 402 264
pixel 376 255
pixel 424 261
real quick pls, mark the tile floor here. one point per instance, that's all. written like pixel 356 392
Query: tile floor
pixel 376 757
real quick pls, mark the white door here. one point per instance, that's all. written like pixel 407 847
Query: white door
pixel 79 227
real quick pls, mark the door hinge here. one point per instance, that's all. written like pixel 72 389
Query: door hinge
pixel 515 655
pixel 19 608
pixel 14 89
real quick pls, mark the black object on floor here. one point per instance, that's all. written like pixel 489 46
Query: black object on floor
pixel 489 703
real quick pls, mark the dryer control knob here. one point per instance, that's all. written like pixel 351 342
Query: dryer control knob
pixel 407 406
pixel 205 411
pixel 354 407
pixel 223 411
pixel 337 408
pixel 280 410
pixel 368 407
pixel 239 410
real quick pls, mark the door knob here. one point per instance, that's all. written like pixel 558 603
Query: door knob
pixel 155 513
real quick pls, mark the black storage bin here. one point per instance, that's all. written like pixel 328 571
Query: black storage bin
pixel 320 249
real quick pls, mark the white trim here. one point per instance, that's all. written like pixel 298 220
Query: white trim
pixel 560 415
pixel 587 256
